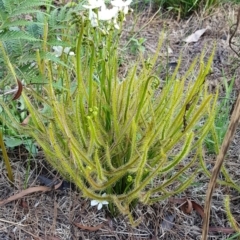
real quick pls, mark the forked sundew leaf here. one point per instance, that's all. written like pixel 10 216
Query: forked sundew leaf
pixel 98 128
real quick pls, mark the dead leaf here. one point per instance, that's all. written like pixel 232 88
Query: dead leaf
pixel 187 204
pixel 26 120
pixel 46 181
pixel 195 36
pixel 92 229
pixel 168 222
pixel 24 204
pixel 19 91
pixel 51 182
pixel 28 191
pixel 198 208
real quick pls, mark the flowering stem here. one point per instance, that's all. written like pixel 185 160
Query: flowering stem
pixel 92 60
pixel 78 55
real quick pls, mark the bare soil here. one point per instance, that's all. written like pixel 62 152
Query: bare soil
pixel 52 215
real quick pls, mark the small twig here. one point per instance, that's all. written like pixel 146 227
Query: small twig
pixel 220 158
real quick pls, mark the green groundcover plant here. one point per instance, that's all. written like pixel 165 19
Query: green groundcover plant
pixel 215 137
pixel 23 23
pixel 185 7
pixel 109 133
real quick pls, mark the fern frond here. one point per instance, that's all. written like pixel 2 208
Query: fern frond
pixel 18 23
pixel 35 29
pixel 10 35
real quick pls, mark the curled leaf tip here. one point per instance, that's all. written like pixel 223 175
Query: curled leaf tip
pixel 19 91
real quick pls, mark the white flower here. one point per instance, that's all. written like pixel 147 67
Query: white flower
pixel 98 203
pixel 121 5
pixel 67 51
pixel 93 18
pixel 58 51
pixel 93 4
pixel 106 14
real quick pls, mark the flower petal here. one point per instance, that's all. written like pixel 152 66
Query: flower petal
pixel 94 4
pixel 108 14
pixel 120 3
pixel 94 202
pixel 71 54
pixel 58 50
pixel 104 202
pixel 116 24
pixel 66 50
pixel 125 10
pixel 93 18
pixel 99 206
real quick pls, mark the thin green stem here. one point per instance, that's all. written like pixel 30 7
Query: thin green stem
pixel 6 159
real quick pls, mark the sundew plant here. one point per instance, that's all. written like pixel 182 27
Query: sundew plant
pixel 108 132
